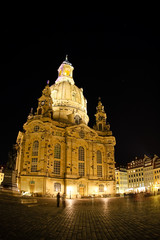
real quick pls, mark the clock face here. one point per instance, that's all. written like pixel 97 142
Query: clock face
pixel 100 118
pixel 42 103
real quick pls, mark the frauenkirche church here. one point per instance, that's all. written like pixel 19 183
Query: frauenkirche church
pixel 58 151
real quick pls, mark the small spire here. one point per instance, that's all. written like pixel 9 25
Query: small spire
pixel 47 82
pixel 66 60
pixel 99 99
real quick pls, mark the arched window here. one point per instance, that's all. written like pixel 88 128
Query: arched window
pixel 57 151
pixel 81 154
pixel 35 148
pixel 57 187
pixel 100 127
pixel 77 119
pixel 39 111
pixel 81 157
pixel 99 157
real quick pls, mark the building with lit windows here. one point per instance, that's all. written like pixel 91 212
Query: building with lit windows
pixel 136 176
pixel 1 175
pixel 58 151
pixel 121 180
pixel 148 173
pixel 156 173
pixel 144 174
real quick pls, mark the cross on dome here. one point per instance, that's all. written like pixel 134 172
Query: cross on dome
pixel 66 61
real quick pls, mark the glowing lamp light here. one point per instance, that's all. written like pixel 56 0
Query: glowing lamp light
pixel 69 191
pixel 96 189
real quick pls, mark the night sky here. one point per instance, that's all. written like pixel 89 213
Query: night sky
pixel 116 58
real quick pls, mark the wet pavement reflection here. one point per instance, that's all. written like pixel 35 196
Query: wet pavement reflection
pixel 106 218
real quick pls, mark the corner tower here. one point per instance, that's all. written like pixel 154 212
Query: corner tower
pixel 101 125
pixel 69 104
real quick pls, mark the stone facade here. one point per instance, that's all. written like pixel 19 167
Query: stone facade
pixel 58 151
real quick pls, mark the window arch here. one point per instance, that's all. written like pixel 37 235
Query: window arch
pixel 81 153
pixel 57 151
pixel 35 148
pixel 99 157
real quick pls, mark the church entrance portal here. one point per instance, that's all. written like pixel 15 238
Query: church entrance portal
pixel 81 189
pixel 32 186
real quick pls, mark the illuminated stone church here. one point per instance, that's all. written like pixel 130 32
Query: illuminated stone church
pixel 58 151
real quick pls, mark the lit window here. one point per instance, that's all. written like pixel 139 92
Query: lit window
pixel 81 154
pixel 36 128
pixel 99 157
pixel 56 169
pixel 81 157
pixel 81 169
pixel 34 165
pixel 35 148
pixel 99 170
pixel 57 187
pixel 101 188
pixel 57 151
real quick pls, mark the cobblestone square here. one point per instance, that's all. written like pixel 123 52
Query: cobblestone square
pixel 91 219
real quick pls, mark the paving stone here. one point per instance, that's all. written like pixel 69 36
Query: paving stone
pixel 81 219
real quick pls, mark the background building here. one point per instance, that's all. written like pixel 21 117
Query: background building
pixel 144 174
pixel 135 175
pixel 121 180
pixel 58 151
pixel 1 175
pixel 156 173
pixel 148 174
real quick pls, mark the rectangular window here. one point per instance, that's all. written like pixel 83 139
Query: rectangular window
pixel 81 169
pixel 101 188
pixel 99 170
pixel 34 165
pixel 56 169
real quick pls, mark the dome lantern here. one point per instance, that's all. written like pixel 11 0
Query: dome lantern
pixel 65 72
pixel 69 104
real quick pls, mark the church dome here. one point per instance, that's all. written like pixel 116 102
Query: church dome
pixel 69 103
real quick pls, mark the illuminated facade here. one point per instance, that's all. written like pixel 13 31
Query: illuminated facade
pixel 144 174
pixel 58 151
pixel 135 175
pixel 156 173
pixel 1 175
pixel 121 180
